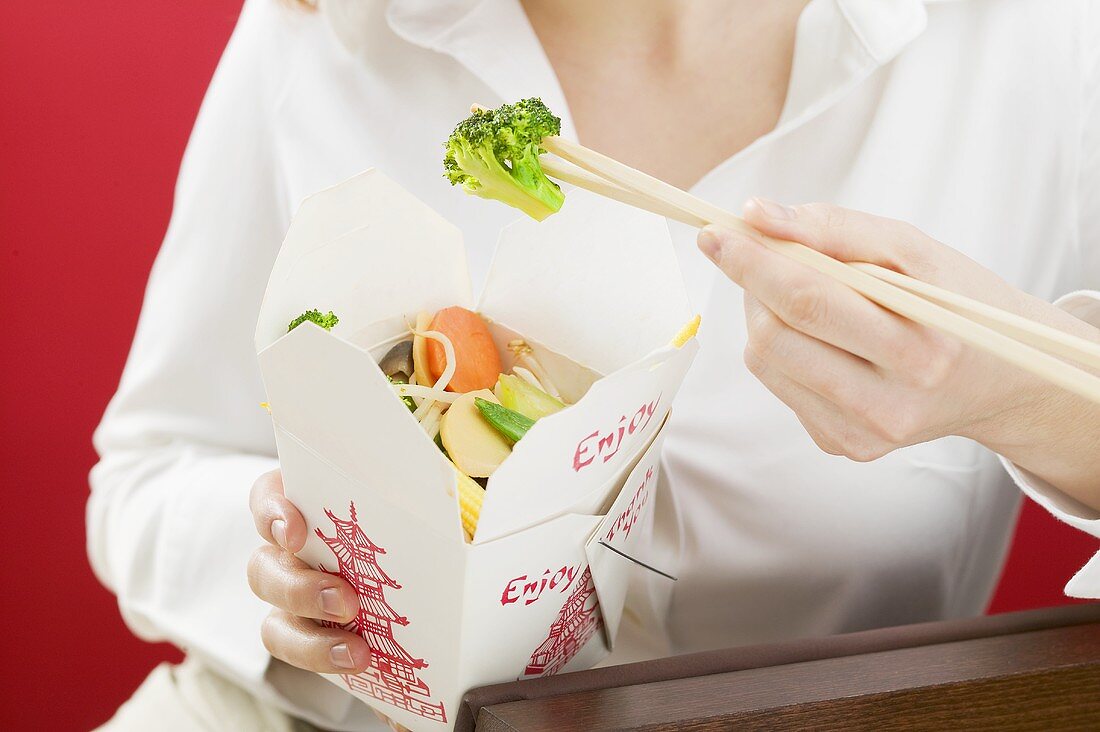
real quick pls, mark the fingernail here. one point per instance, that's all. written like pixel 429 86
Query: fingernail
pixel 774 210
pixel 340 655
pixel 710 244
pixel 332 602
pixel 278 530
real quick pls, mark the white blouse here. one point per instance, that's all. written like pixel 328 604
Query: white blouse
pixel 977 121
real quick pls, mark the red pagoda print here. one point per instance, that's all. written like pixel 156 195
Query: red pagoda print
pixel 578 620
pixel 392 676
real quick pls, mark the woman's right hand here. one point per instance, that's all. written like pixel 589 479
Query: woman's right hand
pixel 300 594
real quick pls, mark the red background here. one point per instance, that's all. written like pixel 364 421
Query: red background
pixel 98 100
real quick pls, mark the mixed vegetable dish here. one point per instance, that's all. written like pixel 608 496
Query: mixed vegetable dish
pixel 450 375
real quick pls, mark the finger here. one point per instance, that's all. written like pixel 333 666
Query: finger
pixel 831 373
pixel 288 583
pixel 831 428
pixel 277 519
pixel 807 300
pixel 844 234
pixel 303 643
pixel 811 410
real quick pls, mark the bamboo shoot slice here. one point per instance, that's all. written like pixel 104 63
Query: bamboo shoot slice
pixel 474 446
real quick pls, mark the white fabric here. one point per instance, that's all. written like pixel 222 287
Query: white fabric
pixel 970 119
pixel 191 698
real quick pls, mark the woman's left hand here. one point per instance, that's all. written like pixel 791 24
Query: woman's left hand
pixel 864 381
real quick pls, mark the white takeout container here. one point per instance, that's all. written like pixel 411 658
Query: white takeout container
pixel 596 292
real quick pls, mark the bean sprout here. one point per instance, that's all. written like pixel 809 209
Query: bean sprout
pixel 528 377
pixel 425 392
pixel 445 377
pixel 526 358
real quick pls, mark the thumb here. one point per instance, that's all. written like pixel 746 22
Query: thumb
pixel 844 234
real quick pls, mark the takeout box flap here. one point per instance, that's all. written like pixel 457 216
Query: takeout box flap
pixel 627 529
pixel 607 270
pixel 331 397
pixel 516 588
pixel 380 547
pixel 568 455
pixel 367 250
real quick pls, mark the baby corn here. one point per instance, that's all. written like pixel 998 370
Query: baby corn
pixel 687 332
pixel 470 497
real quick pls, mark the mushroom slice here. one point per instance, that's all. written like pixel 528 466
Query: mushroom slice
pixel 398 362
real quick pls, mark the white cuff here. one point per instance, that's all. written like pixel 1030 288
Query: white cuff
pixel 1086 583
pixel 1082 304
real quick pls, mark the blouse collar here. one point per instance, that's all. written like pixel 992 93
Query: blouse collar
pixel 839 43
pixel 491 38
pixel 883 26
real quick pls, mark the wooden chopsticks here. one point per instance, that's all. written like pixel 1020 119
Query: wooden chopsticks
pixel 1017 340
pixel 1040 336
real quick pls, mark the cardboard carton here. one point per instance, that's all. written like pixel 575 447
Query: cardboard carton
pixel 597 294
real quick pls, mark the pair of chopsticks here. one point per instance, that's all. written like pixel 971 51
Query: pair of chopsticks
pixel 1032 346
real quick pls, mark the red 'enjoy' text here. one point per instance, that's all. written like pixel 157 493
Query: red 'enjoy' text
pixel 606 446
pixel 529 591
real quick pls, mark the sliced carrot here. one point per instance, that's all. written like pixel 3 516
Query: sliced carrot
pixel 478 360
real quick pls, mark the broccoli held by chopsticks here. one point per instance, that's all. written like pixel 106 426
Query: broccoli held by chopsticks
pixel 494 153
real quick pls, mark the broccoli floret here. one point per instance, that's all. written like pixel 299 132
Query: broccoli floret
pixel 495 154
pixel 326 320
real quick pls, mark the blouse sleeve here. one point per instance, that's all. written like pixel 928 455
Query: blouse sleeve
pixel 183 439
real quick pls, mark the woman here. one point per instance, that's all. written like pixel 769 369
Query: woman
pixel 976 121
